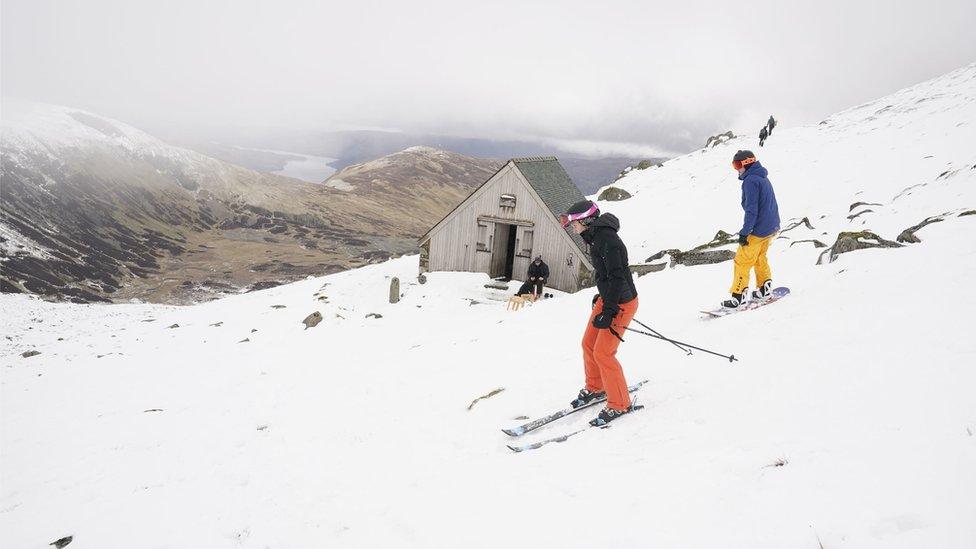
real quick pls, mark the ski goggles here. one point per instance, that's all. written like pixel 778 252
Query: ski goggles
pixel 567 218
pixel 738 164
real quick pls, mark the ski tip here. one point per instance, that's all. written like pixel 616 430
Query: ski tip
pixel 512 432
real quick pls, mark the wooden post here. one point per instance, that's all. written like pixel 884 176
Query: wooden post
pixel 395 290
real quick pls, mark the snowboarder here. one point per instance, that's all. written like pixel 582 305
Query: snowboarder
pixel 771 123
pixel 536 278
pixel 763 134
pixel 759 227
pixel 613 309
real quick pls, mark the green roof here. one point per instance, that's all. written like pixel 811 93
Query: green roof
pixel 553 185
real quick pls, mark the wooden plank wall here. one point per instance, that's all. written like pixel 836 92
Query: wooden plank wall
pixel 453 246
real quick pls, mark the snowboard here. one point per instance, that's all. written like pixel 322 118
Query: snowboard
pixel 774 296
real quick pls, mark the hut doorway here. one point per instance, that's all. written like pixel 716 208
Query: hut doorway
pixel 503 251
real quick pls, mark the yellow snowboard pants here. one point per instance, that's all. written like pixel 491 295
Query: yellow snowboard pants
pixel 749 257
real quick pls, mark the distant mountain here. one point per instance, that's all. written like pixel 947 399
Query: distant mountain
pixel 93 209
pixel 420 183
pixel 356 147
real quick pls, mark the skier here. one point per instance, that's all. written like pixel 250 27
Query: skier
pixel 759 227
pixel 613 309
pixel 771 123
pixel 762 136
pixel 536 278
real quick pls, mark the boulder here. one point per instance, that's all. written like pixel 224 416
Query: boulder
pixel 312 320
pixel 59 543
pixel 613 194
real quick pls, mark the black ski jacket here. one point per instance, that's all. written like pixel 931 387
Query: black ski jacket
pixel 610 263
pixel 539 271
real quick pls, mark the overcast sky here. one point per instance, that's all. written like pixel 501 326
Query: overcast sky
pixel 658 76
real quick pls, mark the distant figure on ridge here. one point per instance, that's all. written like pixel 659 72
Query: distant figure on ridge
pixel 613 309
pixel 759 227
pixel 536 278
pixel 762 136
pixel 771 123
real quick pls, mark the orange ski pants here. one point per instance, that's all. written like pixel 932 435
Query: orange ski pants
pixel 603 371
pixel 751 257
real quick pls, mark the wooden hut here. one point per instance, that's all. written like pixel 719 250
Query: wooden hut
pixel 507 221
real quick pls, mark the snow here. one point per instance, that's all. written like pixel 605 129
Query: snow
pixel 42 126
pixel 356 433
pixel 12 242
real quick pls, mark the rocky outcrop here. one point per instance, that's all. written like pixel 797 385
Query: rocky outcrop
pixel 613 194
pixel 851 241
pixel 805 222
pixel 703 254
pixel 908 235
pixel 643 269
pixel 717 139
pixel 816 243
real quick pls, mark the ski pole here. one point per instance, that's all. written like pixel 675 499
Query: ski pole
pixel 686 350
pixel 730 357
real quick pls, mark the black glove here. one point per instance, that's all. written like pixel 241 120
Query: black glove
pixel 596 297
pixel 743 240
pixel 603 320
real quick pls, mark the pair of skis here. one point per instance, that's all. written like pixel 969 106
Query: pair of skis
pixel 545 420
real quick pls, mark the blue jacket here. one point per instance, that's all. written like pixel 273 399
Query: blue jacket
pixel 759 202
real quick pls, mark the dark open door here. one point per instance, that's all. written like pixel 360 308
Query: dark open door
pixel 510 251
pixel 503 251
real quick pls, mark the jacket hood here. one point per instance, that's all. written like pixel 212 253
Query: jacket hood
pixel 754 169
pixel 606 220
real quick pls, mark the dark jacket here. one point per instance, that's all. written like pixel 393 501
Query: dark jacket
pixel 539 271
pixel 759 202
pixel 611 268
pixel 763 133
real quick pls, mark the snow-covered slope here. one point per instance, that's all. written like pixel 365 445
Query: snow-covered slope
pixel 849 420
pixel 909 156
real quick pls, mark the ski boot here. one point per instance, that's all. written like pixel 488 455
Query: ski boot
pixel 609 414
pixel 763 291
pixel 585 397
pixel 734 302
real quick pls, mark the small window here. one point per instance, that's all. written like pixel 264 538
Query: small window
pixel 569 260
pixel 507 201
pixel 527 243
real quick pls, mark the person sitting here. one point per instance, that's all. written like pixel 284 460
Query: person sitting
pixel 536 278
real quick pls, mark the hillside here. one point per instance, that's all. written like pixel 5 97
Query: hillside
pixel 848 421
pixel 419 183
pixel 93 209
